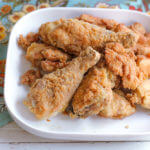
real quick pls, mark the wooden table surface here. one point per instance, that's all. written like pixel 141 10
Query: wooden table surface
pixel 13 137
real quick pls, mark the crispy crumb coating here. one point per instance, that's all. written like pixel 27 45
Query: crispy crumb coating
pixel 29 77
pixel 52 93
pixel 106 23
pixel 93 92
pixel 141 95
pixel 123 63
pixel 118 107
pixel 25 42
pixel 73 36
pixel 46 57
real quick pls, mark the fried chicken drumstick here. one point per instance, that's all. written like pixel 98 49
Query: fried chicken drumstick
pixel 52 93
pixel 73 36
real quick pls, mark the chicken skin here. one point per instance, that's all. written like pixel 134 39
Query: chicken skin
pixel 51 94
pixel 73 36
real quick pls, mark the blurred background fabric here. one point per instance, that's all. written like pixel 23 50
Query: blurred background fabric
pixel 12 10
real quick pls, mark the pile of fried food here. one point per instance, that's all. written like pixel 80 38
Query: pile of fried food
pixel 87 66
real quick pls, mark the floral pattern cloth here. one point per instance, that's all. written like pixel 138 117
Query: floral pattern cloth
pixel 12 10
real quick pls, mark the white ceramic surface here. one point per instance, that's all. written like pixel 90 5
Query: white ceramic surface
pixel 62 127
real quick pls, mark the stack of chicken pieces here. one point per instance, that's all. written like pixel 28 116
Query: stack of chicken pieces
pixel 87 66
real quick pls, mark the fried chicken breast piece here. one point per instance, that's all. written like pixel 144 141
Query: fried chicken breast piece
pixel 93 92
pixel 29 77
pixel 51 94
pixel 118 107
pixel 25 42
pixel 73 36
pixel 122 62
pixel 141 95
pixel 109 24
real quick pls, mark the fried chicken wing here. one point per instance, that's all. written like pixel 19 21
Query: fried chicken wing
pixel 73 36
pixel 52 93
pixel 118 107
pixel 25 42
pixel 123 63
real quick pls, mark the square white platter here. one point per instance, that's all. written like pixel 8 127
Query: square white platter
pixel 61 126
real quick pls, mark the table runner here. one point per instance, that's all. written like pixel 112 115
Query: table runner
pixel 12 10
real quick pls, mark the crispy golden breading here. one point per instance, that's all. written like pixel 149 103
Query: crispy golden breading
pixel 93 92
pixel 144 64
pixel 52 93
pixel 25 42
pixel 29 77
pixel 54 54
pixel 106 23
pixel 138 28
pixel 41 51
pixel 123 63
pixel 118 107
pixel 49 66
pixel 73 36
pixel 142 50
pixel 46 57
pixel 141 95
pixel 95 96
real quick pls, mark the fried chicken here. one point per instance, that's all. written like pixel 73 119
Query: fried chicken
pixel 141 95
pixel 122 63
pixel 49 66
pixel 52 93
pixel 95 95
pixel 73 36
pixel 25 42
pixel 29 77
pixel 118 107
pixel 93 92
pixel 105 23
pixel 46 57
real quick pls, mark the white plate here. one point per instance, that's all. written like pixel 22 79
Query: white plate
pixel 62 127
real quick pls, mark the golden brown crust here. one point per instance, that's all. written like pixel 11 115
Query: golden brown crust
pixel 49 66
pixel 29 77
pixel 106 23
pixel 93 92
pixel 123 63
pixel 46 57
pixel 25 42
pixel 118 108
pixel 73 36
pixel 52 93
